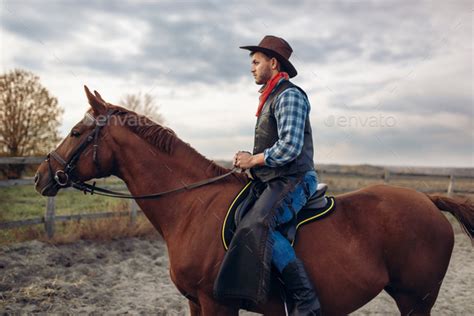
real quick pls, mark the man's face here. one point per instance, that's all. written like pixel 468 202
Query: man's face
pixel 261 68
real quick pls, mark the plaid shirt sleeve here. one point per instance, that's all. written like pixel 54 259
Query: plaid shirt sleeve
pixel 291 110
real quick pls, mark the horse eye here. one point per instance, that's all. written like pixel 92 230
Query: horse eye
pixel 75 133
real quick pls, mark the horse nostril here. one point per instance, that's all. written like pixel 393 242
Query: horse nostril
pixel 37 177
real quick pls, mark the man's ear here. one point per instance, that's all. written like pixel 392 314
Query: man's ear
pixel 97 105
pixel 275 63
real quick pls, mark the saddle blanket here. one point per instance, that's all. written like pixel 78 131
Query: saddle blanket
pixel 318 207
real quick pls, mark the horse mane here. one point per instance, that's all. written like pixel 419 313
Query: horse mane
pixel 163 138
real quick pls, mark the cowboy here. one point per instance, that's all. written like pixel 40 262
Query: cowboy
pixel 282 158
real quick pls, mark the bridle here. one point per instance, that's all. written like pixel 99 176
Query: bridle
pixel 69 166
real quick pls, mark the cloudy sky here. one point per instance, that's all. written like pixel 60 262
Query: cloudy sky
pixel 390 82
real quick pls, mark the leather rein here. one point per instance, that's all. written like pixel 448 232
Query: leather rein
pixel 64 177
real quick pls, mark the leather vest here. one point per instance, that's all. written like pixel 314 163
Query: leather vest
pixel 266 135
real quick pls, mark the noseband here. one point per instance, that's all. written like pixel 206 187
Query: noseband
pixel 62 177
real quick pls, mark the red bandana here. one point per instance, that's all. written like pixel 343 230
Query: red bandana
pixel 267 89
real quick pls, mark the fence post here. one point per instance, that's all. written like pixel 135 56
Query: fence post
pixel 49 217
pixel 451 185
pixel 386 176
pixel 133 212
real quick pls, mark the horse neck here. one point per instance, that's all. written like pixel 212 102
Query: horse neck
pixel 145 170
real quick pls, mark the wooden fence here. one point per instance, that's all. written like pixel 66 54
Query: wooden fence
pixel 388 176
pixel 50 218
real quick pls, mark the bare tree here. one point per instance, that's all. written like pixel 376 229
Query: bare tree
pixel 29 116
pixel 143 104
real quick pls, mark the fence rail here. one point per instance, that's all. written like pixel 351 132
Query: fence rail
pixel 21 160
pixel 63 218
pixel 50 217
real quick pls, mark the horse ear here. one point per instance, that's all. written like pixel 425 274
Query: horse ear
pixel 97 94
pixel 97 105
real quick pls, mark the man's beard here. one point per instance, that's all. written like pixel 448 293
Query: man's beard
pixel 264 78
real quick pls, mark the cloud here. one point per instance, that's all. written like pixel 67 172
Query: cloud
pixel 359 60
pixel 393 146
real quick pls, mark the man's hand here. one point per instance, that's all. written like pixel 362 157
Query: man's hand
pixel 245 160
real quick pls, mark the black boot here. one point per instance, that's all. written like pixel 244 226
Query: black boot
pixel 300 291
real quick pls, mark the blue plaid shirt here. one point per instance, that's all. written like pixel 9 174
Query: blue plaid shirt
pixel 291 109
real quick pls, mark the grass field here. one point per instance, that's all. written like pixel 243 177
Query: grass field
pixel 22 202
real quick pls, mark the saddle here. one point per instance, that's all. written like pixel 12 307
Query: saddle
pixel 318 206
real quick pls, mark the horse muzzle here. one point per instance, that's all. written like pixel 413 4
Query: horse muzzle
pixel 47 185
pixel 50 188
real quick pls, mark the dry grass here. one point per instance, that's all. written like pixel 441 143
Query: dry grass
pixel 100 229
pixel 103 229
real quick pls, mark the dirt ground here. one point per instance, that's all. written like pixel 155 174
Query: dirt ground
pixel 131 276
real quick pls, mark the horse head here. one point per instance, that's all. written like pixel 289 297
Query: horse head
pixel 85 153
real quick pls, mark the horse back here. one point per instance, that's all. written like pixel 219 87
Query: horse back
pixel 368 241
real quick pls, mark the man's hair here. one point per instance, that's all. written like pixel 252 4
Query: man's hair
pixel 270 56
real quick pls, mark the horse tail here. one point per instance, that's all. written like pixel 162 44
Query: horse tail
pixel 462 210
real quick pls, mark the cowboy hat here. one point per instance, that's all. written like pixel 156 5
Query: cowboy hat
pixel 276 47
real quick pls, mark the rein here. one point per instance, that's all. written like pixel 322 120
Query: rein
pixel 92 189
pixel 64 177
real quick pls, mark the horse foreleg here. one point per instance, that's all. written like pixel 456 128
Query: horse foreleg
pixel 210 307
pixel 194 309
pixel 411 304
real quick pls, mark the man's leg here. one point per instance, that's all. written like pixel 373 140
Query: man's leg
pixel 292 271
pixel 283 253
pixel 297 283
pixel 246 268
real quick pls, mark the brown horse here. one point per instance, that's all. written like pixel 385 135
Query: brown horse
pixel 378 238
